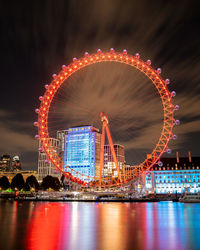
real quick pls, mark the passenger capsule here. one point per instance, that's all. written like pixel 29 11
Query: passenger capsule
pixel 167 81
pixel 86 54
pixel 137 55
pixel 169 150
pixel 173 94
pixel 37 137
pixel 35 124
pixel 177 122
pixel 99 51
pixel 37 111
pixel 159 70
pixel 46 86
pixel 112 50
pixel 125 52
pixel 149 62
pixel 160 164
pixel 40 98
pixel 176 107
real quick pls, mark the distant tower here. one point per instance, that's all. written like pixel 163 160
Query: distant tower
pixel 5 163
pixel 16 164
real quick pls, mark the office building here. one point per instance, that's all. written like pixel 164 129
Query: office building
pixel 82 152
pixel 45 166
pixel 109 169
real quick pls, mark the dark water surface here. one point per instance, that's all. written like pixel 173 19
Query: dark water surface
pixel 63 225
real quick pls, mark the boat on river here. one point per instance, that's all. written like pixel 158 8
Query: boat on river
pixel 190 198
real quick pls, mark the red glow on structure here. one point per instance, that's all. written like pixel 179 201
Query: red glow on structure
pixel 168 121
pixel 104 120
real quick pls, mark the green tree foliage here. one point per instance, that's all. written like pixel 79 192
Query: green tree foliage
pixel 18 182
pixel 51 182
pixel 31 182
pixel 4 183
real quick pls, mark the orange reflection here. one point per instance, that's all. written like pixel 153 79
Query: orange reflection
pixel 113 232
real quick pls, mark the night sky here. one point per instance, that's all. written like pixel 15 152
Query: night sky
pixel 38 37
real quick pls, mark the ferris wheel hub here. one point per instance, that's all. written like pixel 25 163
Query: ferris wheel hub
pixel 103 117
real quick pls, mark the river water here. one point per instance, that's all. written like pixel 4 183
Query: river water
pixel 102 226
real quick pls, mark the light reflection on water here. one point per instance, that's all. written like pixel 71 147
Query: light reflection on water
pixel 62 225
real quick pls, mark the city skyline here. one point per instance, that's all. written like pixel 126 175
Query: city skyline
pixel 33 58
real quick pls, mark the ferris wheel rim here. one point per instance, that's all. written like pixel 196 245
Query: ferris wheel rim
pixel 99 57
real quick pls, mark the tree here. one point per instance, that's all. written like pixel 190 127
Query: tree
pixel 63 179
pixel 31 182
pixel 51 182
pixel 56 184
pixel 18 182
pixel 4 183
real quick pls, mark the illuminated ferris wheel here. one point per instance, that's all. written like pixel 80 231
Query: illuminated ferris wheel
pixel 168 119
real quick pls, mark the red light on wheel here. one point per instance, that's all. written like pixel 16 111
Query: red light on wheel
pixel 160 84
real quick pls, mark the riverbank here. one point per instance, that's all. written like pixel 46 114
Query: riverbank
pixel 74 196
pixel 79 197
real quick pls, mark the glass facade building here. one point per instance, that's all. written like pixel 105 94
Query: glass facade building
pixel 82 151
pixel 109 169
pixel 174 176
